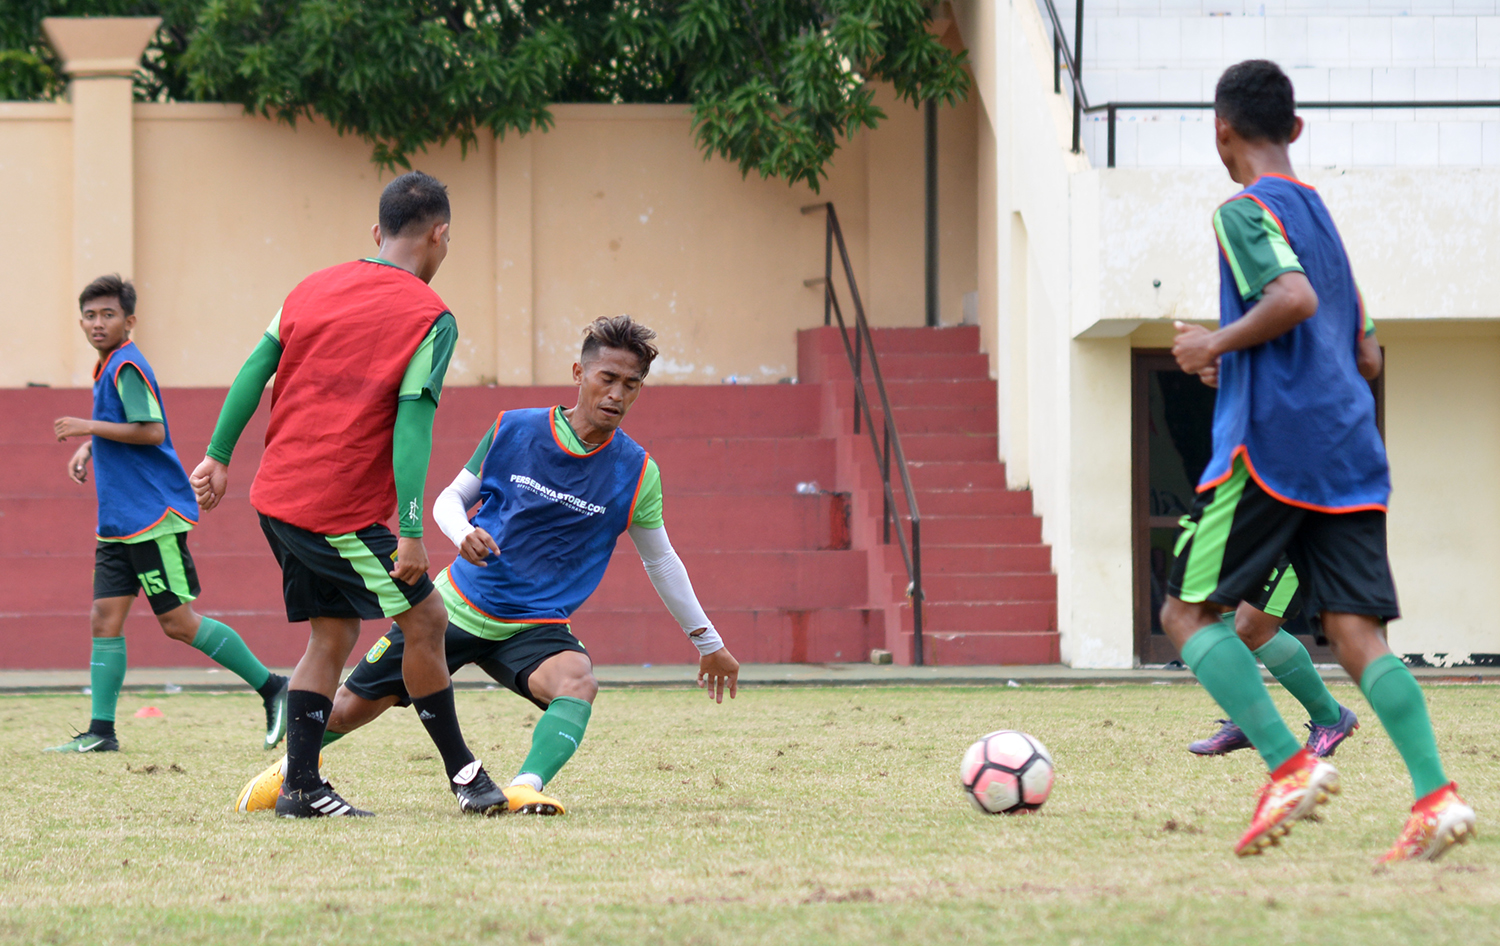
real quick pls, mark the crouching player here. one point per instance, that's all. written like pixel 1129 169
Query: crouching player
pixel 556 489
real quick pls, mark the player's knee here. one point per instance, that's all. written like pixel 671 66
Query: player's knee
pixel 580 685
pixel 179 624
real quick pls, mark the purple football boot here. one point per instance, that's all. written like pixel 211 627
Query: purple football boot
pixel 1229 738
pixel 1322 740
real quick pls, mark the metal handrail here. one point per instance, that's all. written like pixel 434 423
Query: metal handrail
pixel 1112 108
pixel 887 448
pixel 1074 62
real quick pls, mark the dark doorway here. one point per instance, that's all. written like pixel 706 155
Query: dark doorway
pixel 1171 443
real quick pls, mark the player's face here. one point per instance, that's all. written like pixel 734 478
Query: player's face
pixel 607 385
pixel 105 324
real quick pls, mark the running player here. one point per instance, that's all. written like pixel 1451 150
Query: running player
pixel 1258 624
pixel 146 510
pixel 1298 468
pixel 556 488
pixel 359 352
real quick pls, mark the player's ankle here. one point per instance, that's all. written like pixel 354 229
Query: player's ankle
pixel 528 779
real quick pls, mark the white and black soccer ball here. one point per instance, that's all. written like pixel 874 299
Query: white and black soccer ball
pixel 1007 772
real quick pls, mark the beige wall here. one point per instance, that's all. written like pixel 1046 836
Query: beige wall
pixel 1068 257
pixel 613 210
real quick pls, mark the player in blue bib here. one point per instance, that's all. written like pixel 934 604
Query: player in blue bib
pixel 1298 469
pixel 556 489
pixel 146 509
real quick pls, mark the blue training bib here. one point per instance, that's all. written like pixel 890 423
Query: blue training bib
pixel 137 484
pixel 1296 407
pixel 556 516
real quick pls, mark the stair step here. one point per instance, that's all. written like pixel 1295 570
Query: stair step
pixel 999 586
pixel 963 339
pixel 923 393
pixel 969 648
pixel 964 560
pixel 754 635
pixel 956 475
pixel 987 616
pixel 899 366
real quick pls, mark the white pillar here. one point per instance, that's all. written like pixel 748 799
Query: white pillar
pixel 100 56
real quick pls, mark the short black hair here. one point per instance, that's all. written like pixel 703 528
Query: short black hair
pixel 111 285
pixel 413 199
pixel 621 332
pixel 1255 98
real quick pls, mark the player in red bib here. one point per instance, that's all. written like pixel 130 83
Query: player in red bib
pixel 358 352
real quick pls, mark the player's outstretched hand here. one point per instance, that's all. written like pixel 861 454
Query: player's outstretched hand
pixel 477 546
pixel 78 465
pixel 209 481
pixel 66 427
pixel 1193 348
pixel 411 559
pixel 717 672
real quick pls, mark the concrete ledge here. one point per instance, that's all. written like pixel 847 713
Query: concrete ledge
pixel 751 675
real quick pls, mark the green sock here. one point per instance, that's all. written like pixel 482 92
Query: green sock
pixel 1225 667
pixel 224 647
pixel 1398 701
pixel 556 737
pixel 329 736
pixel 1292 666
pixel 106 675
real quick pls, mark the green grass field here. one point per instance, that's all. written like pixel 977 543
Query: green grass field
pixel 790 816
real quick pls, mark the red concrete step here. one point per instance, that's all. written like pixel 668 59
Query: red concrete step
pixel 771 579
pixel 903 393
pixel 52 641
pixel 743 465
pixel 976 502
pixel 759 635
pixel 957 475
pixel 904 367
pixel 964 560
pixel 963 648
pixel 946 448
pixel 1032 586
pixel 980 530
pixel 963 339
pixel 987 616
pixel 964 419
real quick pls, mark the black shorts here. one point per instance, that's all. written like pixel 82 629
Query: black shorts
pixel 510 661
pixel 340 576
pixel 1281 595
pixel 161 567
pixel 1237 533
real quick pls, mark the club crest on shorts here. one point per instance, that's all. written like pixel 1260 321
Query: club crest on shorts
pixel 379 649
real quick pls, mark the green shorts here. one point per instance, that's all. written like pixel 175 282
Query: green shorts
pixel 161 567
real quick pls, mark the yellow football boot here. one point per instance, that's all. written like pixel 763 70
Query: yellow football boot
pixel 259 794
pixel 525 800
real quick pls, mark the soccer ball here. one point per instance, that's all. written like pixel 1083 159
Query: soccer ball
pixel 1006 772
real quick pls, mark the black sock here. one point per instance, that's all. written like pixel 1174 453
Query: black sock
pixel 437 713
pixel 271 687
pixel 102 727
pixel 307 717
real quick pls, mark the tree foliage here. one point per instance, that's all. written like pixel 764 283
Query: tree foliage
pixel 773 85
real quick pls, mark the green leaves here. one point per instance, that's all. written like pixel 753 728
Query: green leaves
pixel 774 85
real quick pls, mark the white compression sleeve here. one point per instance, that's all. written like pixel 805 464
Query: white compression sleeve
pixel 670 579
pixel 451 511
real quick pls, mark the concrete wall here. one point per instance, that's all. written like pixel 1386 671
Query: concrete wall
pixel 613 210
pixel 1070 261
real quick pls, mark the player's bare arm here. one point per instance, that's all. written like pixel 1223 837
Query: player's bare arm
pixel 1370 360
pixel 1287 301
pixel 411 559
pixel 147 433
